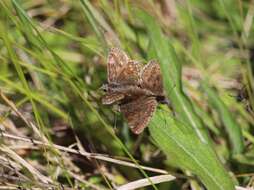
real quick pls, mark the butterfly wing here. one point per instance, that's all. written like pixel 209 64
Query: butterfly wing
pixel 121 69
pixel 138 112
pixel 130 73
pixel 111 98
pixel 117 59
pixel 151 78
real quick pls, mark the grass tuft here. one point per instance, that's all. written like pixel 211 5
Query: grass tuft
pixel 56 134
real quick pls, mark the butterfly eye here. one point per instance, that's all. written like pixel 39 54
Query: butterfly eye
pixel 104 87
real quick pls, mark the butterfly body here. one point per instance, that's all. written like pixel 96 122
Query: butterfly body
pixel 136 89
pixel 128 91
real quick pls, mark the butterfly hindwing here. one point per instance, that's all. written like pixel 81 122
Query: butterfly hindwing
pixel 138 112
pixel 111 98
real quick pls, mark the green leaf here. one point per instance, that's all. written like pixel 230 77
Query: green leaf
pixel 184 150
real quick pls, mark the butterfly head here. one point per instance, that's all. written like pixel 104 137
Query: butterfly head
pixel 104 87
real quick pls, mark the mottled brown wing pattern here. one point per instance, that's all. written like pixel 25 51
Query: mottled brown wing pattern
pixel 137 90
pixel 121 69
pixel 111 98
pixel 117 59
pixel 138 112
pixel 130 73
pixel 151 78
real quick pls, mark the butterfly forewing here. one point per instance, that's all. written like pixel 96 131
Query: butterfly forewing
pixel 138 112
pixel 117 59
pixel 121 69
pixel 151 78
pixel 130 73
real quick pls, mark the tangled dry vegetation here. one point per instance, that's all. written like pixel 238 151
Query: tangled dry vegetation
pixel 56 134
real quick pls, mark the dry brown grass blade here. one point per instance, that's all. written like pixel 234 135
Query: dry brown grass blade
pixel 37 175
pixel 82 153
pixel 243 188
pixel 157 179
pixel 27 122
pixel 145 182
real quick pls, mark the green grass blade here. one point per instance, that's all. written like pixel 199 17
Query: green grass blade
pixel 91 14
pixel 35 96
pixel 207 119
pixel 232 128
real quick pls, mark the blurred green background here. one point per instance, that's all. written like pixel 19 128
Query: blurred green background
pixel 53 58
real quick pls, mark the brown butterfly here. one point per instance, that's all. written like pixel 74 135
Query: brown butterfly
pixel 136 89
